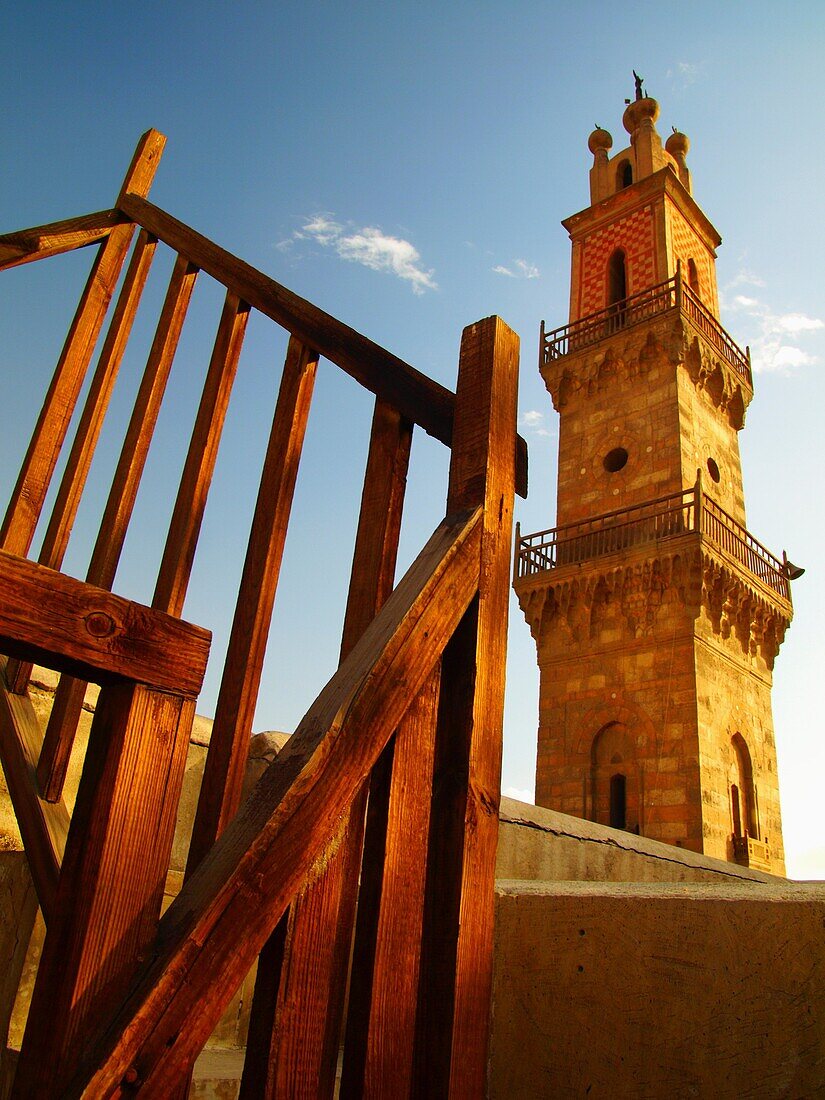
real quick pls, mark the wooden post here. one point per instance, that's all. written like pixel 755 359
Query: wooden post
pixel 299 1055
pixel 111 883
pixel 457 951
pixel 36 472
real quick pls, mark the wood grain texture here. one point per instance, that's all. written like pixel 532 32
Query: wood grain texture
pixel 38 466
pixel 417 397
pixel 253 872
pixel 43 827
pixel 303 1047
pixel 111 886
pixel 457 953
pixel 380 1034
pixel 50 240
pixel 65 624
pixel 225 765
pixel 184 528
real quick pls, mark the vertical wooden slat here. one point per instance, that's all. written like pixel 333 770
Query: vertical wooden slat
pixel 111 883
pixel 68 699
pixel 299 1058
pixel 457 951
pixel 91 421
pixel 32 485
pixel 380 1033
pixel 220 793
pixel 184 528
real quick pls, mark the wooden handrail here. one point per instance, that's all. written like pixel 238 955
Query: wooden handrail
pixel 417 397
pixel 41 241
pixel 284 828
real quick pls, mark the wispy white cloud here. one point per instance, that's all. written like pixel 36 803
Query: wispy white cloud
pixel 519 269
pixel 371 247
pixel 775 346
pixel 533 421
pixel 685 73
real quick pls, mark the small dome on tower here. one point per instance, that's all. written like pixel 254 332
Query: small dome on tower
pixel 677 144
pixel 637 111
pixel 599 140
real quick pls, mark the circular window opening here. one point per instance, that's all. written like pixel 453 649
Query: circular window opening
pixel 615 460
pixel 713 470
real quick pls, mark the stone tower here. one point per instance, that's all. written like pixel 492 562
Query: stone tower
pixel 656 615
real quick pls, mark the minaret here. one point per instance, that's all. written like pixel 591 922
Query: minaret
pixel 656 615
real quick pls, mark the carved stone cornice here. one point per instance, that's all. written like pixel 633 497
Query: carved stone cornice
pixel 629 355
pixel 634 595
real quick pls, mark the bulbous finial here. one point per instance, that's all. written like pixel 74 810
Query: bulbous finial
pixel 639 110
pixel 599 140
pixel 677 144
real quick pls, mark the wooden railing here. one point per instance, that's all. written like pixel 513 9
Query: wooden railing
pixel 673 294
pixel 124 1001
pixel 692 510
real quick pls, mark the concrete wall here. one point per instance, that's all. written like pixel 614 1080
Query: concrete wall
pixel 658 990
pixel 546 846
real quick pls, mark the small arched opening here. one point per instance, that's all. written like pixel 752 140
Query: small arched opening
pixel 624 175
pixel 618 801
pixel 693 278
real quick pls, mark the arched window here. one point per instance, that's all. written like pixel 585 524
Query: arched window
pixel 618 801
pixel 616 289
pixel 693 277
pixel 614 797
pixel 624 175
pixel 743 795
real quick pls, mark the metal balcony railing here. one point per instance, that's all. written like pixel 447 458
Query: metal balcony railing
pixel 691 510
pixel 673 294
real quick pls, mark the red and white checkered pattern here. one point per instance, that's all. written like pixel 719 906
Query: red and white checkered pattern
pixel 635 235
pixel 685 245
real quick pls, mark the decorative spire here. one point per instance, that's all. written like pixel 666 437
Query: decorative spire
pixel 639 81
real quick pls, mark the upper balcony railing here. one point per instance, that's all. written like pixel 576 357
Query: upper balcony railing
pixel 673 294
pixel 676 514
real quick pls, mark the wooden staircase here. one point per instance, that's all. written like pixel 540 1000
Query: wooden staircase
pixel 373 834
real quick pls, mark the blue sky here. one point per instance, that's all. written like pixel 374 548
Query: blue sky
pixel 406 167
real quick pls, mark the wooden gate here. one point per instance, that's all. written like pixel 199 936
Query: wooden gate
pixel 373 834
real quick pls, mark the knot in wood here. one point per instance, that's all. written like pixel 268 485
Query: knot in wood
pixel 99 624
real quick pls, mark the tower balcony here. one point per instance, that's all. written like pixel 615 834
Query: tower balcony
pixel 672 295
pixel 667 517
pixel 750 852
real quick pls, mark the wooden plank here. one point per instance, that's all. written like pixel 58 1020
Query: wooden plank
pixel 62 724
pixel 43 827
pixel 184 528
pixel 302 1047
pixel 50 240
pixel 380 1034
pixel 457 951
pixel 66 624
pixel 111 884
pixel 418 398
pixel 38 466
pixel 223 916
pixel 225 765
